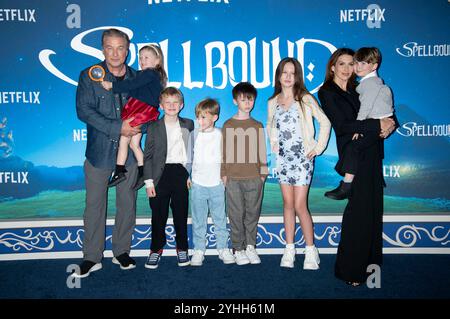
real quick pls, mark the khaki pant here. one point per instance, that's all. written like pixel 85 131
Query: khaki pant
pixel 243 202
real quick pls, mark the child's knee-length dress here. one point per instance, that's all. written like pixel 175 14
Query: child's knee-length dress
pixel 293 167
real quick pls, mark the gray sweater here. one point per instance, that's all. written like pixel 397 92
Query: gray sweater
pixel 375 98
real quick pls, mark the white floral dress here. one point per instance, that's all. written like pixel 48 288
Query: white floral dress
pixel 293 167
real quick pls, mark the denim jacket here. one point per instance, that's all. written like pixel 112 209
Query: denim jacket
pixel 100 110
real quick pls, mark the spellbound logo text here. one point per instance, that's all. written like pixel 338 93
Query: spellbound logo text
pixel 410 129
pixel 222 62
pixel 414 49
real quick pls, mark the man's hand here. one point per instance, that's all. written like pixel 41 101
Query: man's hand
pixel 151 192
pixel 355 136
pixel 189 183
pixel 106 85
pixel 127 129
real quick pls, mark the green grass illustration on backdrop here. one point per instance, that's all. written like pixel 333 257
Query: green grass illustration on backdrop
pixel 57 204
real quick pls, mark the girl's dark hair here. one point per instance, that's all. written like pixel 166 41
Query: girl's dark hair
pixel 299 88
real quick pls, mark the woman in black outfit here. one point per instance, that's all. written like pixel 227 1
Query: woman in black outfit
pixel 362 222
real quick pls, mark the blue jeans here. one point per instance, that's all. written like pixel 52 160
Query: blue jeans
pixel 212 199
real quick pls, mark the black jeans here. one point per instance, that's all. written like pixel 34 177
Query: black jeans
pixel 171 189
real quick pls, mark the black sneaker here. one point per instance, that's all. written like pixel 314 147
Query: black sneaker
pixel 86 267
pixel 125 261
pixel 116 179
pixel 339 193
pixel 139 183
pixel 153 259
pixel 183 258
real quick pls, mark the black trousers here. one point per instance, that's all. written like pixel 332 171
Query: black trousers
pixel 361 240
pixel 171 190
pixel 354 152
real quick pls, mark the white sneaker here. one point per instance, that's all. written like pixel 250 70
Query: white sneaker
pixel 197 258
pixel 226 256
pixel 252 255
pixel 241 257
pixel 288 258
pixel 312 259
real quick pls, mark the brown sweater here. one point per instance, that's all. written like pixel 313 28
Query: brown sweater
pixel 244 149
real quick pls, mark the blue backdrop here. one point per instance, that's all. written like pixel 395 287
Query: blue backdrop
pixel 209 47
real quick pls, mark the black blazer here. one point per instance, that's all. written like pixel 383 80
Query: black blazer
pixel 342 108
pixel 155 152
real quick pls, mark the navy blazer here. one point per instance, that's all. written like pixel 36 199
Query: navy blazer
pixel 155 152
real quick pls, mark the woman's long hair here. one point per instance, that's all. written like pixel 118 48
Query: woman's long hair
pixel 329 74
pixel 299 88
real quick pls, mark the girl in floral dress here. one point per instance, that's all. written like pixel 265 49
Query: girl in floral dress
pixel 291 110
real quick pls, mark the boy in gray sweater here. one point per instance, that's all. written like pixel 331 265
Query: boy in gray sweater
pixel 374 95
pixel 376 103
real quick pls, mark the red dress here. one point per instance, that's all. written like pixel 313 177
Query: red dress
pixel 141 111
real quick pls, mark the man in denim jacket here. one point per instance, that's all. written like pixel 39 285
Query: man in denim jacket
pixel 100 110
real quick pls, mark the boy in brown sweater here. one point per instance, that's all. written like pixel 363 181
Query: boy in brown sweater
pixel 244 170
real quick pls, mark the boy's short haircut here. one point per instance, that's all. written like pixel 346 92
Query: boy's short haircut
pixel 369 55
pixel 171 91
pixel 246 89
pixel 207 105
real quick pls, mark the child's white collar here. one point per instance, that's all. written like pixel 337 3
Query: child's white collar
pixel 370 75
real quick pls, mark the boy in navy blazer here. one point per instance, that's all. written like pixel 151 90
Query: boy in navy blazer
pixel 166 175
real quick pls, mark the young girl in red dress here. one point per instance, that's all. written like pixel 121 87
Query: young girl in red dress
pixel 144 90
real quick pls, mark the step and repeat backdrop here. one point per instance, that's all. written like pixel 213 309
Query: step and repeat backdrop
pixel 210 46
